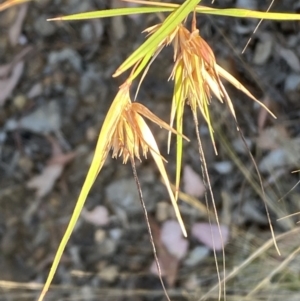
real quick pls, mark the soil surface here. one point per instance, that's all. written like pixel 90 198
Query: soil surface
pixel 56 87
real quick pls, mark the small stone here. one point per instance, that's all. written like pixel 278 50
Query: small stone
pixel 273 160
pixel 197 255
pixel 35 90
pixel 292 82
pixel 162 211
pixel 45 119
pixel 290 58
pixel 123 194
pixel 44 27
pixel 115 234
pixel 87 32
pixel 224 167
pixel 90 99
pixel 11 125
pixel 22 40
pixel 263 51
pixel 292 86
pixel 240 147
pixel 99 236
pixel 106 247
pixel 109 273
pixel 246 4
pixel 66 54
pixel 86 294
pixel 25 164
pixel 3 136
pixel 253 213
pixel 192 283
pixel 19 101
pixel 88 80
pixel 91 134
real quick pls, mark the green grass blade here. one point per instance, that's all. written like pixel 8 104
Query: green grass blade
pixel 112 13
pixel 154 40
pixel 142 65
pixel 179 103
pixel 232 12
pixel 100 155
pixel 95 168
pixel 245 13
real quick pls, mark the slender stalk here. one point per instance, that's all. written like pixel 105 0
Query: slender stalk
pixel 207 184
pixel 148 226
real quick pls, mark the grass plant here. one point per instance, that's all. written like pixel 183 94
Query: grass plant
pixel 196 77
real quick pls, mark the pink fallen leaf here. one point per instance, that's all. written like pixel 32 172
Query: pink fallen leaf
pixel 168 267
pixel 7 85
pixel 209 235
pixel 98 216
pixel 168 263
pixel 272 138
pixel 44 182
pixel 172 239
pixel 5 69
pixel 36 90
pixel 62 159
pixel 58 157
pixel 192 183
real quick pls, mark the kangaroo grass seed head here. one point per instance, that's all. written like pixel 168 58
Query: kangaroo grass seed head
pixel 131 135
pixel 197 75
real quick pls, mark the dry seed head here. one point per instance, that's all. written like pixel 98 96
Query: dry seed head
pixel 201 75
pixel 126 132
pixel 197 75
pixel 130 134
pixel 198 64
pixel 170 37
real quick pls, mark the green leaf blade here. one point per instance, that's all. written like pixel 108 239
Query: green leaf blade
pixel 245 13
pixel 154 40
pixel 112 13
